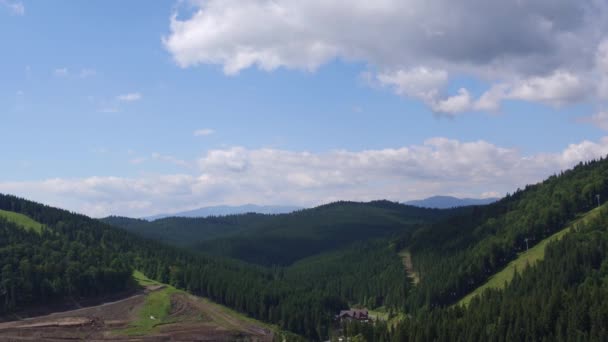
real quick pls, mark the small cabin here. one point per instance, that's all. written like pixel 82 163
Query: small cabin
pixel 353 314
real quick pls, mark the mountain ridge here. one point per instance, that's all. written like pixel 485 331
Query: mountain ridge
pixel 447 202
pixel 225 210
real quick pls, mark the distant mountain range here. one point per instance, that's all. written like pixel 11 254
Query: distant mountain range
pixel 444 202
pixel 223 210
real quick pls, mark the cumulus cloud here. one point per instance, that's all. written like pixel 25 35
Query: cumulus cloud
pixel 238 175
pixel 203 132
pixel 454 104
pixel 419 82
pixel 130 97
pixel 544 51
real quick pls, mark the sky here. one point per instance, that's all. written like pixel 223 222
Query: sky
pixel 143 107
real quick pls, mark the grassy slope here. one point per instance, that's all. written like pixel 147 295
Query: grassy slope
pixel 21 220
pixel 158 305
pixel 536 253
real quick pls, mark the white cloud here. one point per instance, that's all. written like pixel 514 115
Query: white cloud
pixel 419 82
pixel 454 104
pixel 238 175
pixel 203 132
pixel 130 97
pixel 542 51
pixel 14 7
pixel 427 85
pixel 558 88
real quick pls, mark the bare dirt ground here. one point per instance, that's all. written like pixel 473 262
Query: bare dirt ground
pixel 191 319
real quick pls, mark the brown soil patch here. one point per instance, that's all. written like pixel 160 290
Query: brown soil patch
pixel 191 319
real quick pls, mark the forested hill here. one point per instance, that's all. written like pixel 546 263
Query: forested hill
pixel 563 297
pixel 70 256
pixel 285 238
pixel 185 231
pixel 457 255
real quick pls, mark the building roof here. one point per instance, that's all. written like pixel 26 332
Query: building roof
pixel 354 313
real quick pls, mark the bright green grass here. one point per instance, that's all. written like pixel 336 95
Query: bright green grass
pixel 143 280
pixel 378 314
pixel 158 305
pixel 530 257
pixel 156 309
pixel 22 221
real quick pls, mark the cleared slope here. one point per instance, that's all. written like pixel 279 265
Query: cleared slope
pixel 529 257
pixel 22 220
pixel 158 313
pixel 406 258
pixel 173 312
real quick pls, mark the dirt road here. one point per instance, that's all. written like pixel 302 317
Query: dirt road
pixel 192 319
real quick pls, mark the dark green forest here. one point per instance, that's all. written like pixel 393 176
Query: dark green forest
pixel 92 252
pixel 283 239
pixel 562 298
pixel 347 257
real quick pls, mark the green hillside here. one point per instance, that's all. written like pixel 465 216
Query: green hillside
pixel 286 238
pixel 526 258
pixel 314 263
pixel 76 258
pixel 455 256
pixel 185 232
pixel 21 220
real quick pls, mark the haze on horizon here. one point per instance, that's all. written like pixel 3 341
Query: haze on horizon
pixel 138 108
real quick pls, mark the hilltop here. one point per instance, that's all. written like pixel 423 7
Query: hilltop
pixel 285 238
pixel 225 210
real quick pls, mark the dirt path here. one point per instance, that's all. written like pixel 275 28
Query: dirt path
pixel 191 319
pixel 84 324
pixel 406 258
pixel 115 310
pixel 228 320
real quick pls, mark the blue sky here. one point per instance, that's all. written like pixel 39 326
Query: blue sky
pixel 100 95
